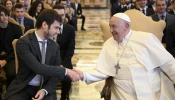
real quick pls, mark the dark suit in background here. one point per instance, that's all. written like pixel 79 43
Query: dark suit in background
pixel 29 58
pixel 78 13
pixel 171 12
pixel 7 36
pixel 117 7
pixel 170 39
pixel 28 23
pixel 170 19
pixel 66 40
pixel 148 11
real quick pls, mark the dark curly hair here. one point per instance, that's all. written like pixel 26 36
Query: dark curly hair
pixel 33 9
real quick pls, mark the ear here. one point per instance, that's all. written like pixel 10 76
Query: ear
pixel 44 25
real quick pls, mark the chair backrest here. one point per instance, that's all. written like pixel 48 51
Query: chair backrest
pixel 14 47
pixel 29 31
pixel 16 58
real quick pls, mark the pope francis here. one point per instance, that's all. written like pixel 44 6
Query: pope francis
pixel 136 60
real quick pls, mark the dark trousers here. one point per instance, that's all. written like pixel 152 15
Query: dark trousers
pixel 10 70
pixel 83 21
pixel 28 92
pixel 65 88
pixel 73 22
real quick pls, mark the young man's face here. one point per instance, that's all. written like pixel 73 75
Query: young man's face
pixel 19 13
pixel 142 3
pixel 61 12
pixel 63 3
pixel 3 18
pixel 161 6
pixel 53 30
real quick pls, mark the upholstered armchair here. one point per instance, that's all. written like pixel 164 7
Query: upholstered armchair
pixel 139 22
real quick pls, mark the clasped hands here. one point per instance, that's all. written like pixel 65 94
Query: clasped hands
pixel 75 75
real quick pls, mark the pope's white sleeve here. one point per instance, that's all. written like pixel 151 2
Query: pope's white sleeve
pixel 94 76
pixel 169 69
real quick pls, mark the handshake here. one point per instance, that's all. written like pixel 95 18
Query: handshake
pixel 75 75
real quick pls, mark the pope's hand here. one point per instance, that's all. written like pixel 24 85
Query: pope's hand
pixel 73 75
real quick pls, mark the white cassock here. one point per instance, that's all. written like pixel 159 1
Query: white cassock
pixel 139 54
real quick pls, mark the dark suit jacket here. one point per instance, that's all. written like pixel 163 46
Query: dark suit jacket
pixel 118 8
pixel 29 58
pixel 66 40
pixel 149 11
pixel 13 32
pixel 170 39
pixel 79 9
pixel 170 19
pixel 171 12
pixel 150 6
pixel 28 23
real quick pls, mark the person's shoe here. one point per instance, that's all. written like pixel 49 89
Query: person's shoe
pixel 83 29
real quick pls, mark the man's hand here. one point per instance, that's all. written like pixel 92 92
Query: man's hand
pixel 39 95
pixel 3 63
pixel 73 75
pixel 80 73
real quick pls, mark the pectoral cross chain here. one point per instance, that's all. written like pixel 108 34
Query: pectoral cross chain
pixel 117 67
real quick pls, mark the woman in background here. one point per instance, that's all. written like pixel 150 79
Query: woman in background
pixel 35 9
pixel 9 5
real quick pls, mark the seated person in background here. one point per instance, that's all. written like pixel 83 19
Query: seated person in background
pixel 72 20
pixel 19 17
pixel 26 5
pixel 36 8
pixel 161 14
pixel 39 62
pixel 152 5
pixel 66 41
pixel 172 11
pixel 48 4
pixel 20 2
pixel 9 5
pixel 8 32
pixel 144 9
pixel 119 6
pixel 78 12
pixel 170 39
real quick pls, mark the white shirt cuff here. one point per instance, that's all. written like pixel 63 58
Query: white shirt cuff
pixel 46 93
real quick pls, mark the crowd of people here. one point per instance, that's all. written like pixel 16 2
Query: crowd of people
pixel 136 61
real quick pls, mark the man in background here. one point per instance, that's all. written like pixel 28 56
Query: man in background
pixel 66 41
pixel 21 19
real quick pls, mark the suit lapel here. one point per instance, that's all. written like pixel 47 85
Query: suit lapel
pixel 48 52
pixel 35 45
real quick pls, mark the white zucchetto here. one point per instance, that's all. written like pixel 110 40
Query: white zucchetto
pixel 122 16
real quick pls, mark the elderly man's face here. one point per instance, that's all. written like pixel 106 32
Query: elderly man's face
pixel 118 28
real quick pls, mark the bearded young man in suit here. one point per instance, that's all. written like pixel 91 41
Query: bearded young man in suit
pixel 39 71
pixel 66 40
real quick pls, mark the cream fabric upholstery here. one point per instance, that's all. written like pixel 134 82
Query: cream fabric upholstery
pixel 16 58
pixel 139 22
